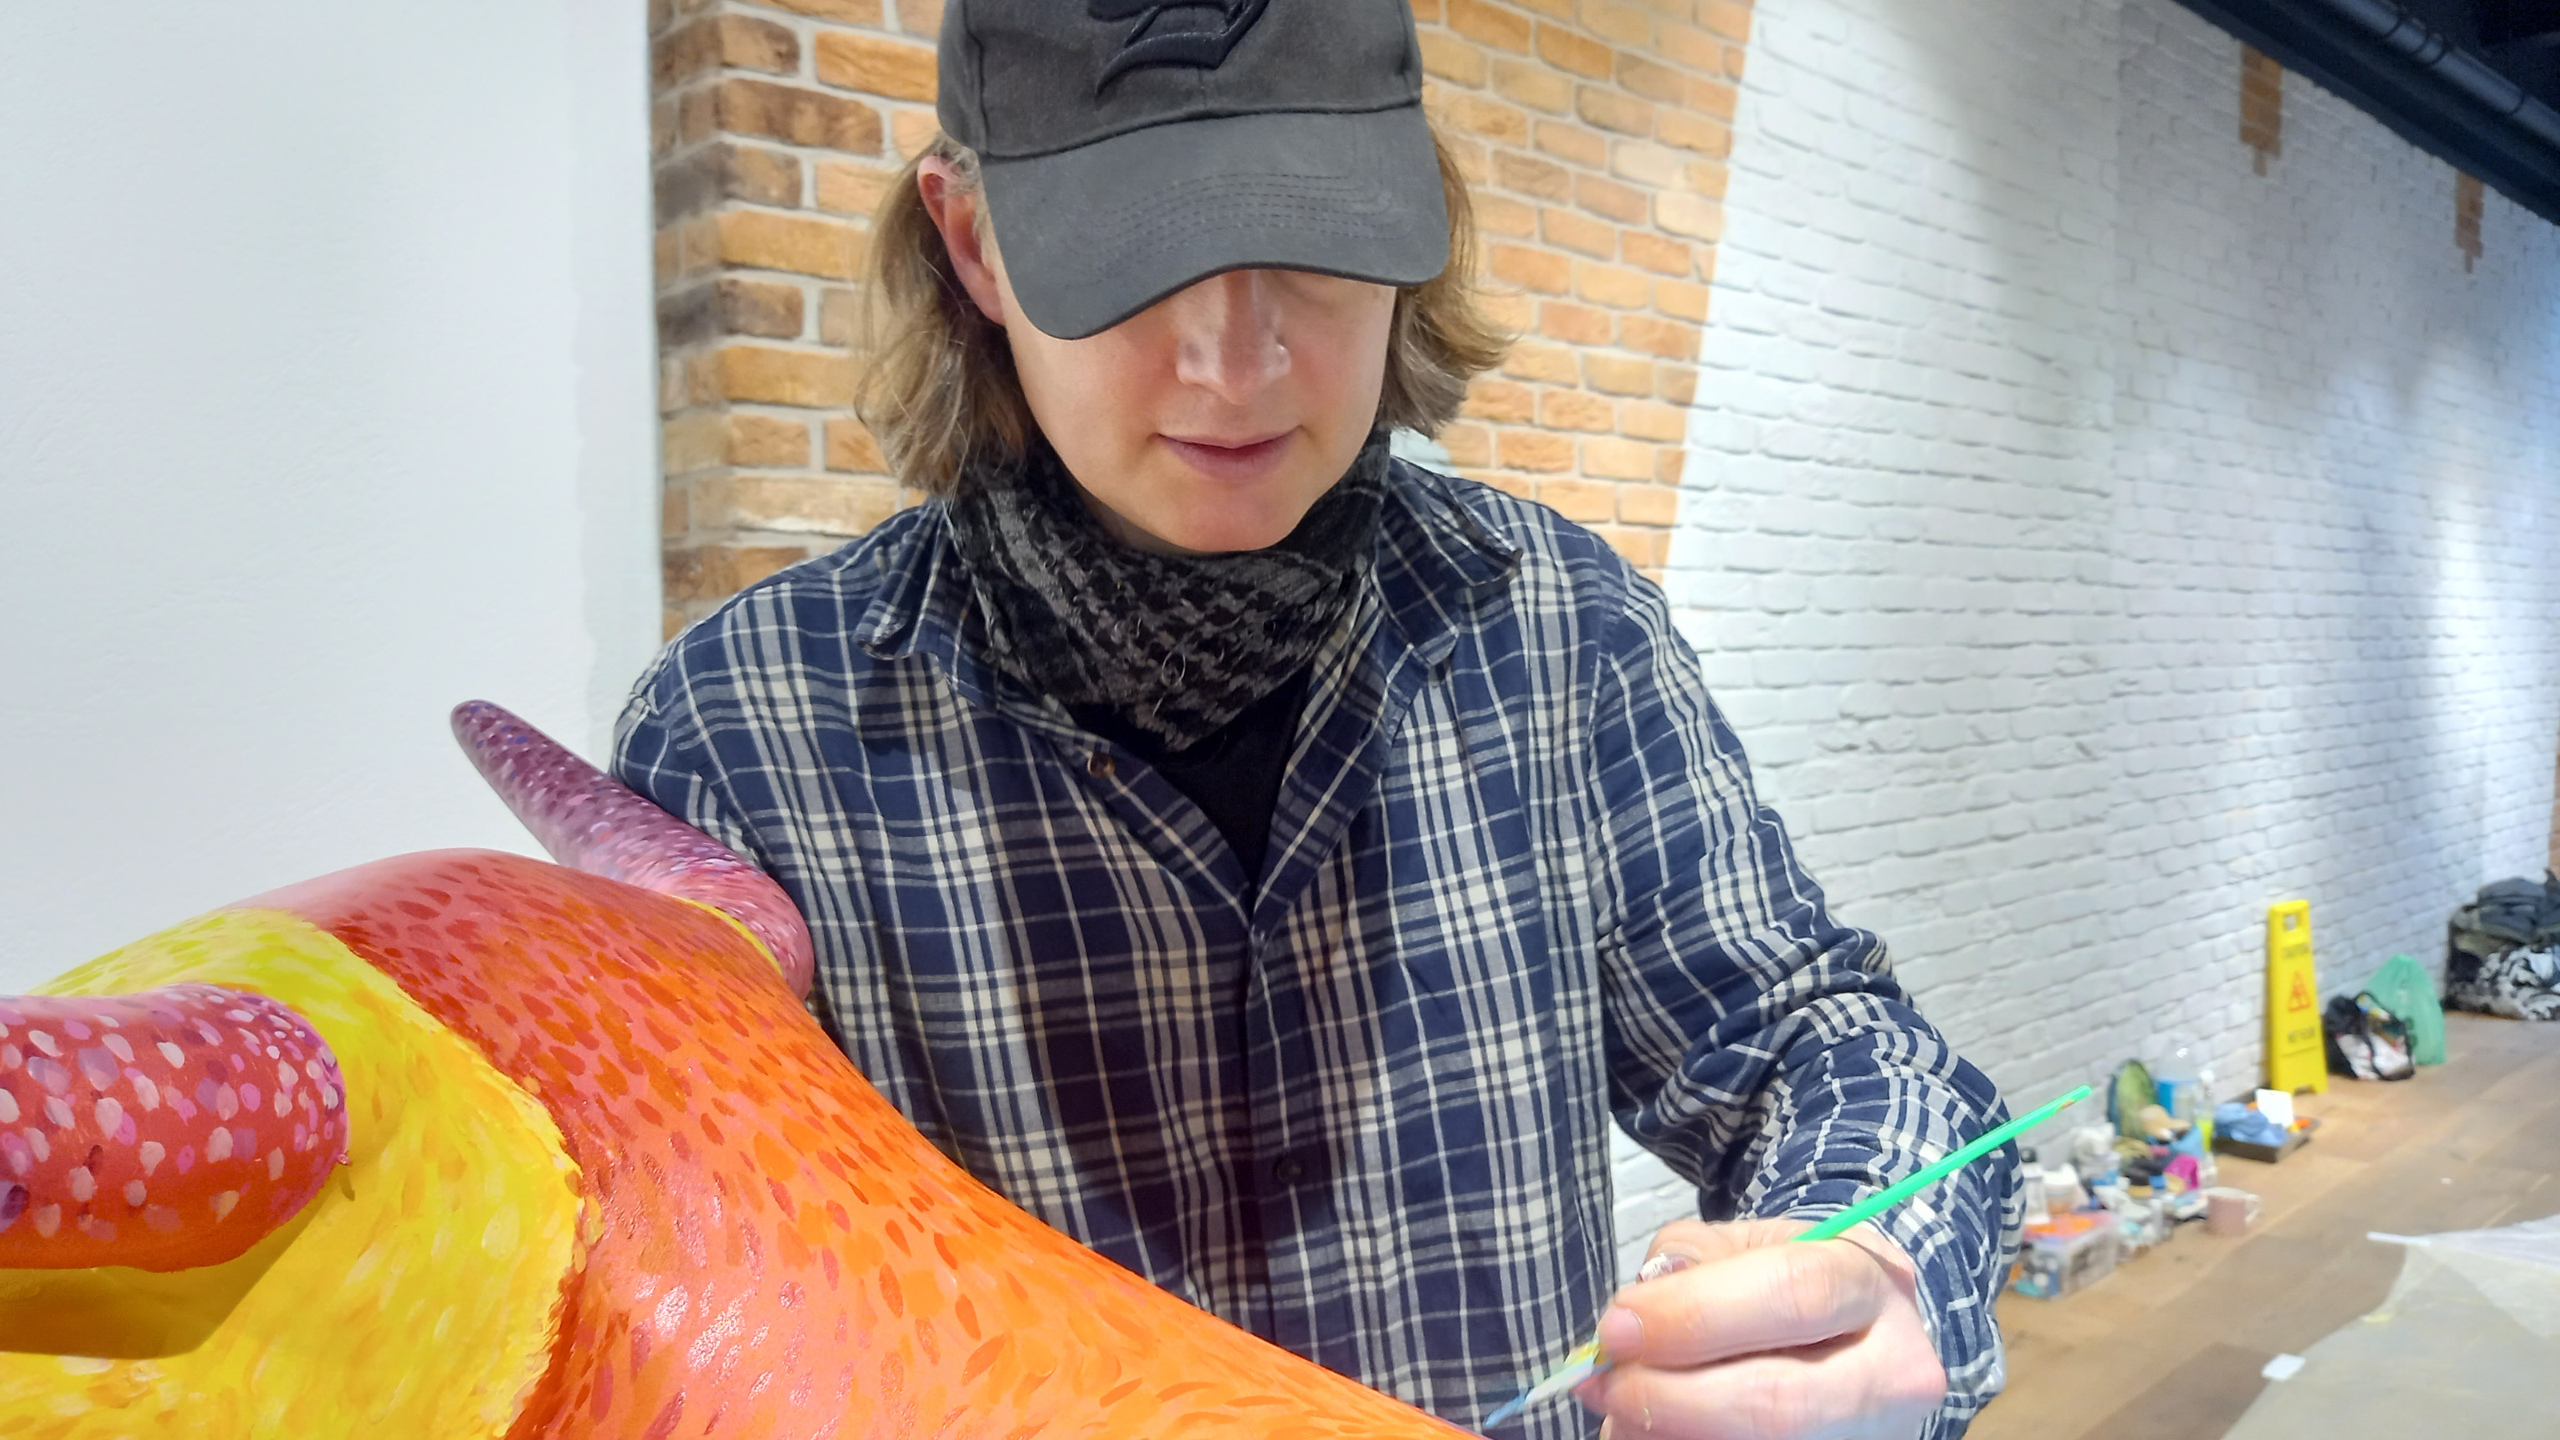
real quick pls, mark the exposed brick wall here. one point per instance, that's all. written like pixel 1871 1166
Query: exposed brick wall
pixel 2467 209
pixel 2261 106
pixel 1595 135
pixel 774 129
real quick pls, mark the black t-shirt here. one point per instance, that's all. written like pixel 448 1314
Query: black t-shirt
pixel 1233 775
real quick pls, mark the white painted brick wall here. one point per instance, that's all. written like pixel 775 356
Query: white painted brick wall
pixel 2095 542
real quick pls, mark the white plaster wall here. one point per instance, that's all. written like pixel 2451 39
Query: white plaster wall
pixel 2096 543
pixel 326 345
pixel 2336 539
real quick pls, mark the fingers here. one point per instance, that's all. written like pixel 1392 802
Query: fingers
pixel 1738 1334
pixel 1743 1301
pixel 1697 1242
pixel 1845 1387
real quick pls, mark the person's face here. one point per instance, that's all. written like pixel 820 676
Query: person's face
pixel 1210 421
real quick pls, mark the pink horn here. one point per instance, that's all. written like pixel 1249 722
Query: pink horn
pixel 589 821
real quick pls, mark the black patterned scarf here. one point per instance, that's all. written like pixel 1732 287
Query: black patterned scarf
pixel 1177 645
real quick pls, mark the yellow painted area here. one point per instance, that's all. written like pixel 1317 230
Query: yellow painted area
pixel 415 1299
pixel 2297 1059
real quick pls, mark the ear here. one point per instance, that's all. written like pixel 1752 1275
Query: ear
pixel 957 212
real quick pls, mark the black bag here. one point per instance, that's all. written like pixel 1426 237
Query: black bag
pixel 2366 1041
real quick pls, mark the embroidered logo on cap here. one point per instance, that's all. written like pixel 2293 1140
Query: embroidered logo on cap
pixel 1200 49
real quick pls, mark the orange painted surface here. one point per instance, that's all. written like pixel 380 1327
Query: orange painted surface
pixel 775 1252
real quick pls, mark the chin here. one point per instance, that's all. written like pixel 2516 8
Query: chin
pixel 1214 519
pixel 1224 533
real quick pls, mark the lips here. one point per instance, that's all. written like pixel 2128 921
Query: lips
pixel 1229 442
pixel 1241 459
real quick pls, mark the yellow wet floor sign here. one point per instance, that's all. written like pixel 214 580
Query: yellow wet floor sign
pixel 2295 1058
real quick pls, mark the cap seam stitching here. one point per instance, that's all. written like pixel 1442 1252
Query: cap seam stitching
pixel 989 153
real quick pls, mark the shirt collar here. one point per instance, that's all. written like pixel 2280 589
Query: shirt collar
pixel 1435 554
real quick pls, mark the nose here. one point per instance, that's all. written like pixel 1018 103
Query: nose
pixel 1227 335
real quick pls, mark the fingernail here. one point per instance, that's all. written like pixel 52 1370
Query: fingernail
pixel 1669 1262
pixel 1621 1333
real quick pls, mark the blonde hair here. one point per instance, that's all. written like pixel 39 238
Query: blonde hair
pixel 939 390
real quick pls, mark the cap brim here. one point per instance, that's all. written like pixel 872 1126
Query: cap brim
pixel 1093 235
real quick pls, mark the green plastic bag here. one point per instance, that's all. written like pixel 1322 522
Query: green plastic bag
pixel 2403 987
pixel 2125 1098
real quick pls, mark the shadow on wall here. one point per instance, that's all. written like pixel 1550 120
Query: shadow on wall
pixel 1908 427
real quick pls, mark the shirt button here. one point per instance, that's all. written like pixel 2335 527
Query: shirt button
pixel 1099 765
pixel 1286 1170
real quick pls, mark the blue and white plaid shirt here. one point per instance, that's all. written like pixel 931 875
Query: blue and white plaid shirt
pixel 1518 886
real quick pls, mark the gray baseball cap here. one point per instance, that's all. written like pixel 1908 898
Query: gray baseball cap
pixel 1133 147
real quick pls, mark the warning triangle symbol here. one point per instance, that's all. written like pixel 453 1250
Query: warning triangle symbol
pixel 2301 998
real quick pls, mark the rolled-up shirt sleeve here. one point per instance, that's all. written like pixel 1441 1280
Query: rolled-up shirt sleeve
pixel 1761 1048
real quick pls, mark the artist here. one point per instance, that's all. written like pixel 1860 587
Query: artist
pixel 1277 865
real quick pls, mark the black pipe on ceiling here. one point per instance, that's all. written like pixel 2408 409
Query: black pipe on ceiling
pixel 2431 49
pixel 2392 64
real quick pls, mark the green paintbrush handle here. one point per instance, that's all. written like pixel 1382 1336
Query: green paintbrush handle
pixel 1884 1200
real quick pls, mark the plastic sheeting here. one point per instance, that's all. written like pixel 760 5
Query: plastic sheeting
pixel 2466 1344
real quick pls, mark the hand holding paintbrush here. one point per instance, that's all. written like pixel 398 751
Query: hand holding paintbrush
pixel 1732 1331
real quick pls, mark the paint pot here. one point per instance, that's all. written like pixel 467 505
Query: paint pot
pixel 2229 1212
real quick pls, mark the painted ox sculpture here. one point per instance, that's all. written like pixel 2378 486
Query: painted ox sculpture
pixel 464 1144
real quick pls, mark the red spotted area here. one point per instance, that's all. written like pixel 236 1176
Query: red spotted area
pixel 161 1130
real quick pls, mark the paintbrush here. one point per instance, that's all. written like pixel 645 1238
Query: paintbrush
pixel 1585 1360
